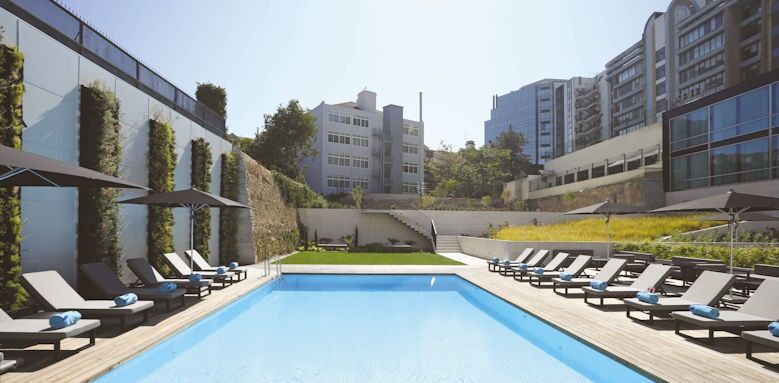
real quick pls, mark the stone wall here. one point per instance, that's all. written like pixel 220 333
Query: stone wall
pixel 270 226
pixel 647 192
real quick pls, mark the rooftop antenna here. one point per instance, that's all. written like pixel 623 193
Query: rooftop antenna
pixel 420 107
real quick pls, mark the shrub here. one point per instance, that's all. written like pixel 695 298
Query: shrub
pixel 298 194
pixel 228 218
pixel 357 194
pixel 201 180
pixel 486 201
pixel 742 256
pixel 12 295
pixel 100 149
pixel 162 163
pixel 393 241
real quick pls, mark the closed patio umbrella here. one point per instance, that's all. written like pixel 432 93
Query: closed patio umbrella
pixel 731 204
pixel 606 209
pixel 191 199
pixel 22 168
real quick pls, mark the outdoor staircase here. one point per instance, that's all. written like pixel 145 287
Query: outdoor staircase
pixel 448 244
pixel 410 223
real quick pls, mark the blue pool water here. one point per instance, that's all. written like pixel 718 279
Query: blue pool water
pixel 388 328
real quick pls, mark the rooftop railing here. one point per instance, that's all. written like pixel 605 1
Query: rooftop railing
pixel 67 28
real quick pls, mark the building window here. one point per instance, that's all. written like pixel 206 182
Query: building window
pixel 410 148
pixel 339 118
pixel 660 89
pixel 338 159
pixel 409 167
pixel 744 162
pixel 338 182
pixel 660 72
pixel 689 129
pixel 410 187
pixel 701 68
pixel 360 121
pixel 410 130
pixel 700 31
pixel 361 182
pixel 701 50
pixel 360 162
pixel 660 106
pixel 660 55
pixel 703 87
pixel 750 51
pixel 740 115
pixel 338 138
pixel 629 72
pixel 360 140
pixel 690 171
pixel 627 88
pixel 775 155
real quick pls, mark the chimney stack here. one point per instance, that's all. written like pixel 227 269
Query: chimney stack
pixel 420 107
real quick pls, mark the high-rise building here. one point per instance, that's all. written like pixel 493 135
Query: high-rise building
pixel 379 150
pixel 578 114
pixel 530 112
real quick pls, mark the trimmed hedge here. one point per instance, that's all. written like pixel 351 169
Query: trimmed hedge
pixel 744 256
pixel 162 163
pixel 12 295
pixel 201 180
pixel 228 218
pixel 101 150
pixel 298 194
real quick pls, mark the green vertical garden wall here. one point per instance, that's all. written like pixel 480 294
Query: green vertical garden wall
pixel 201 180
pixel 162 163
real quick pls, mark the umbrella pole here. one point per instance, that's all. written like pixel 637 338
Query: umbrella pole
pixel 191 235
pixel 608 237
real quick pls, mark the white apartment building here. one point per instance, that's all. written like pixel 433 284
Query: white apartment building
pixel 379 150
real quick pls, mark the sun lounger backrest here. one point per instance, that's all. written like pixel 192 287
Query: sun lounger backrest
pixel 51 290
pixel 764 302
pixel 524 255
pixel 144 271
pixel 651 277
pixel 557 261
pixel 4 317
pixel 611 270
pixel 104 279
pixel 709 287
pixel 197 259
pixel 538 259
pixel 178 265
pixel 578 265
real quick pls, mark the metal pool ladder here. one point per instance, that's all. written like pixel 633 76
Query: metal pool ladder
pixel 267 266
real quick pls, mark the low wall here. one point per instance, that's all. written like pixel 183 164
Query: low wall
pixel 373 226
pixel 487 248
pixel 475 223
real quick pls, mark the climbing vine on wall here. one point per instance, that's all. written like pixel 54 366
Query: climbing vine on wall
pixel 100 149
pixel 201 180
pixel 162 163
pixel 228 218
pixel 12 295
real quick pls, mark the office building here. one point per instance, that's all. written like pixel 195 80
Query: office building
pixel 379 150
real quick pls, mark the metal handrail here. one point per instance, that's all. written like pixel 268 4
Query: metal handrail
pixel 433 234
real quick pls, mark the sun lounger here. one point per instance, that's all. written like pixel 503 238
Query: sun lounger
pixel 757 312
pixel 110 286
pixel 553 265
pixel 536 260
pixel 39 330
pixel 651 278
pixel 501 264
pixel 706 290
pixel 150 277
pixel 575 269
pixel 8 364
pixel 608 273
pixel 761 337
pixel 203 265
pixel 55 294
pixel 182 270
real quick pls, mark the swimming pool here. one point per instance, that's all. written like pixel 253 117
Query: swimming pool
pixel 371 328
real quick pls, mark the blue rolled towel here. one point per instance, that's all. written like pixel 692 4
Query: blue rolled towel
pixel 494 260
pixel 62 320
pixel 221 270
pixel 522 266
pixel 773 327
pixel 538 270
pixel 233 265
pixel 705 311
pixel 167 287
pixel 126 299
pixel 566 276
pixel 506 262
pixel 598 285
pixel 646 296
pixel 195 277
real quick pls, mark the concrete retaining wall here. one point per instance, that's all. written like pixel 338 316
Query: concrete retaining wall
pixel 373 226
pixel 487 248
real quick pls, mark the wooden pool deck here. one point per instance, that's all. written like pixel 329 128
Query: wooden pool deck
pixel 654 349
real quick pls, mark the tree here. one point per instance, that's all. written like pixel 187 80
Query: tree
pixel 518 161
pixel 357 194
pixel 212 96
pixel 287 139
pixel 481 171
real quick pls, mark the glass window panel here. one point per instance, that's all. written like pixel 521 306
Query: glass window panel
pixel 109 52
pixel 753 105
pixel 698 170
pixel 723 114
pixel 775 155
pixel 53 15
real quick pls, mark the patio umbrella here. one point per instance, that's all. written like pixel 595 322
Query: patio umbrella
pixel 606 209
pixel 730 204
pixel 749 216
pixel 191 199
pixel 27 169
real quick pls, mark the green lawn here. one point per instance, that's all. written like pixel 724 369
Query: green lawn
pixel 340 258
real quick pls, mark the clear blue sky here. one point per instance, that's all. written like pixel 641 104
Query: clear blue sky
pixel 458 53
